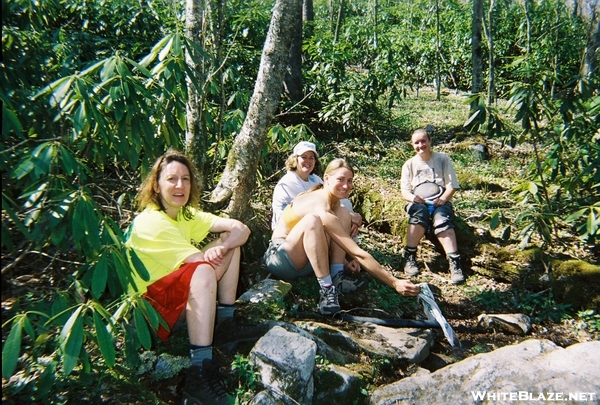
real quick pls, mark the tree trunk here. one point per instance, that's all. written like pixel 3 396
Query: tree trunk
pixel 339 22
pixel 590 57
pixel 489 29
pixel 293 77
pixel 476 50
pixel 308 17
pixel 438 51
pixel 239 178
pixel 195 137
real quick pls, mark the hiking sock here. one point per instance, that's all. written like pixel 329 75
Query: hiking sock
pixel 336 268
pixel 199 354
pixel 225 311
pixel 410 251
pixel 325 281
pixel 453 255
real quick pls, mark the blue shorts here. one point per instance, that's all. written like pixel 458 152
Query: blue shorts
pixel 279 264
pixel 439 221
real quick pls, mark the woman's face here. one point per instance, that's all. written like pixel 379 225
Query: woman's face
pixel 174 185
pixel 339 183
pixel 421 143
pixel 306 164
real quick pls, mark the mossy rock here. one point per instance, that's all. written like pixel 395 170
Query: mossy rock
pixel 383 212
pixel 577 283
pixel 512 265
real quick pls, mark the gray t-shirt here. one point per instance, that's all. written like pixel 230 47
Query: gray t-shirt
pixel 438 169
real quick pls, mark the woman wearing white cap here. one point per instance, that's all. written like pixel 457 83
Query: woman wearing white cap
pixel 313 234
pixel 302 166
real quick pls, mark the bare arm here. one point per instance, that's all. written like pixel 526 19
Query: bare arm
pixel 335 230
pixel 233 234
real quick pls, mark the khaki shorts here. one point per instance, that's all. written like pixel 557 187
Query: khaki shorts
pixel 278 262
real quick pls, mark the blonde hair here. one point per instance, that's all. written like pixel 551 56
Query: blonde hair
pixel 147 194
pixel 331 168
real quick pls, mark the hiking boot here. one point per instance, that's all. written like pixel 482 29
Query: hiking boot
pixel 204 385
pixel 345 284
pixel 456 274
pixel 238 330
pixel 410 265
pixel 328 304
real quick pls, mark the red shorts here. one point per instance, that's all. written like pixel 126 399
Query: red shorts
pixel 169 295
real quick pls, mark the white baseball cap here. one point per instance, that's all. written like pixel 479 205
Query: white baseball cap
pixel 305 146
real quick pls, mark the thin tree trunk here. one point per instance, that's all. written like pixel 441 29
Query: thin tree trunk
pixel 195 138
pixel 589 64
pixel 476 50
pixel 239 178
pixel 438 51
pixel 339 22
pixel 489 31
pixel 308 17
pixel 293 77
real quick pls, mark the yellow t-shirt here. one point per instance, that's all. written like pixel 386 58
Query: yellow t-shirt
pixel 162 244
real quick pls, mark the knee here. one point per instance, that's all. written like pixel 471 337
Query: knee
pixel 442 224
pixel 204 280
pixel 419 215
pixel 313 221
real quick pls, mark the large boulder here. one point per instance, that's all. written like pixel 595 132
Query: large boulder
pixel 534 369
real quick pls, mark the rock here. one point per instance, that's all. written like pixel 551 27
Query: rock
pixel 533 367
pixel 479 151
pixel 340 385
pixel 264 398
pixel 285 362
pixel 517 324
pixel 265 291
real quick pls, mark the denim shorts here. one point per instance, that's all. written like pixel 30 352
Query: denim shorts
pixel 439 221
pixel 278 262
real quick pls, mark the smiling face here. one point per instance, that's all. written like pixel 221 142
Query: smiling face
pixel 174 185
pixel 421 143
pixel 339 182
pixel 306 164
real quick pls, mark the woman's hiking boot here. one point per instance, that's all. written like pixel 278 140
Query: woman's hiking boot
pixel 346 284
pixel 410 264
pixel 204 385
pixel 328 304
pixel 456 273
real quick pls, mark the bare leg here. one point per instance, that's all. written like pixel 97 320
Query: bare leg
pixel 448 240
pixel 201 306
pixel 414 235
pixel 336 253
pixel 227 273
pixel 307 242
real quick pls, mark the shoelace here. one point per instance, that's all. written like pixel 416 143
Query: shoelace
pixel 330 296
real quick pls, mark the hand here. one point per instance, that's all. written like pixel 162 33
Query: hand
pixel 215 255
pixel 438 202
pixel 352 266
pixel 356 220
pixel 407 288
pixel 418 199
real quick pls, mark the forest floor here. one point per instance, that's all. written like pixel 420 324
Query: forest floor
pixel 381 159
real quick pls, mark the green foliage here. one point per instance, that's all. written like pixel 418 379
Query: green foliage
pixel 248 377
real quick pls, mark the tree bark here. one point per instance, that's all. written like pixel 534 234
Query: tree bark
pixel 491 96
pixel 308 17
pixel 293 78
pixel 195 138
pixel 592 48
pixel 239 177
pixel 476 50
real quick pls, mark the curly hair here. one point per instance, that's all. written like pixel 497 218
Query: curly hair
pixel 291 164
pixel 148 195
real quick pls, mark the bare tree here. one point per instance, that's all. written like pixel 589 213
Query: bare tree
pixel 239 177
pixel 476 50
pixel 195 139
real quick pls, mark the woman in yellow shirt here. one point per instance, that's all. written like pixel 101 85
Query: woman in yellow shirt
pixel 185 282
